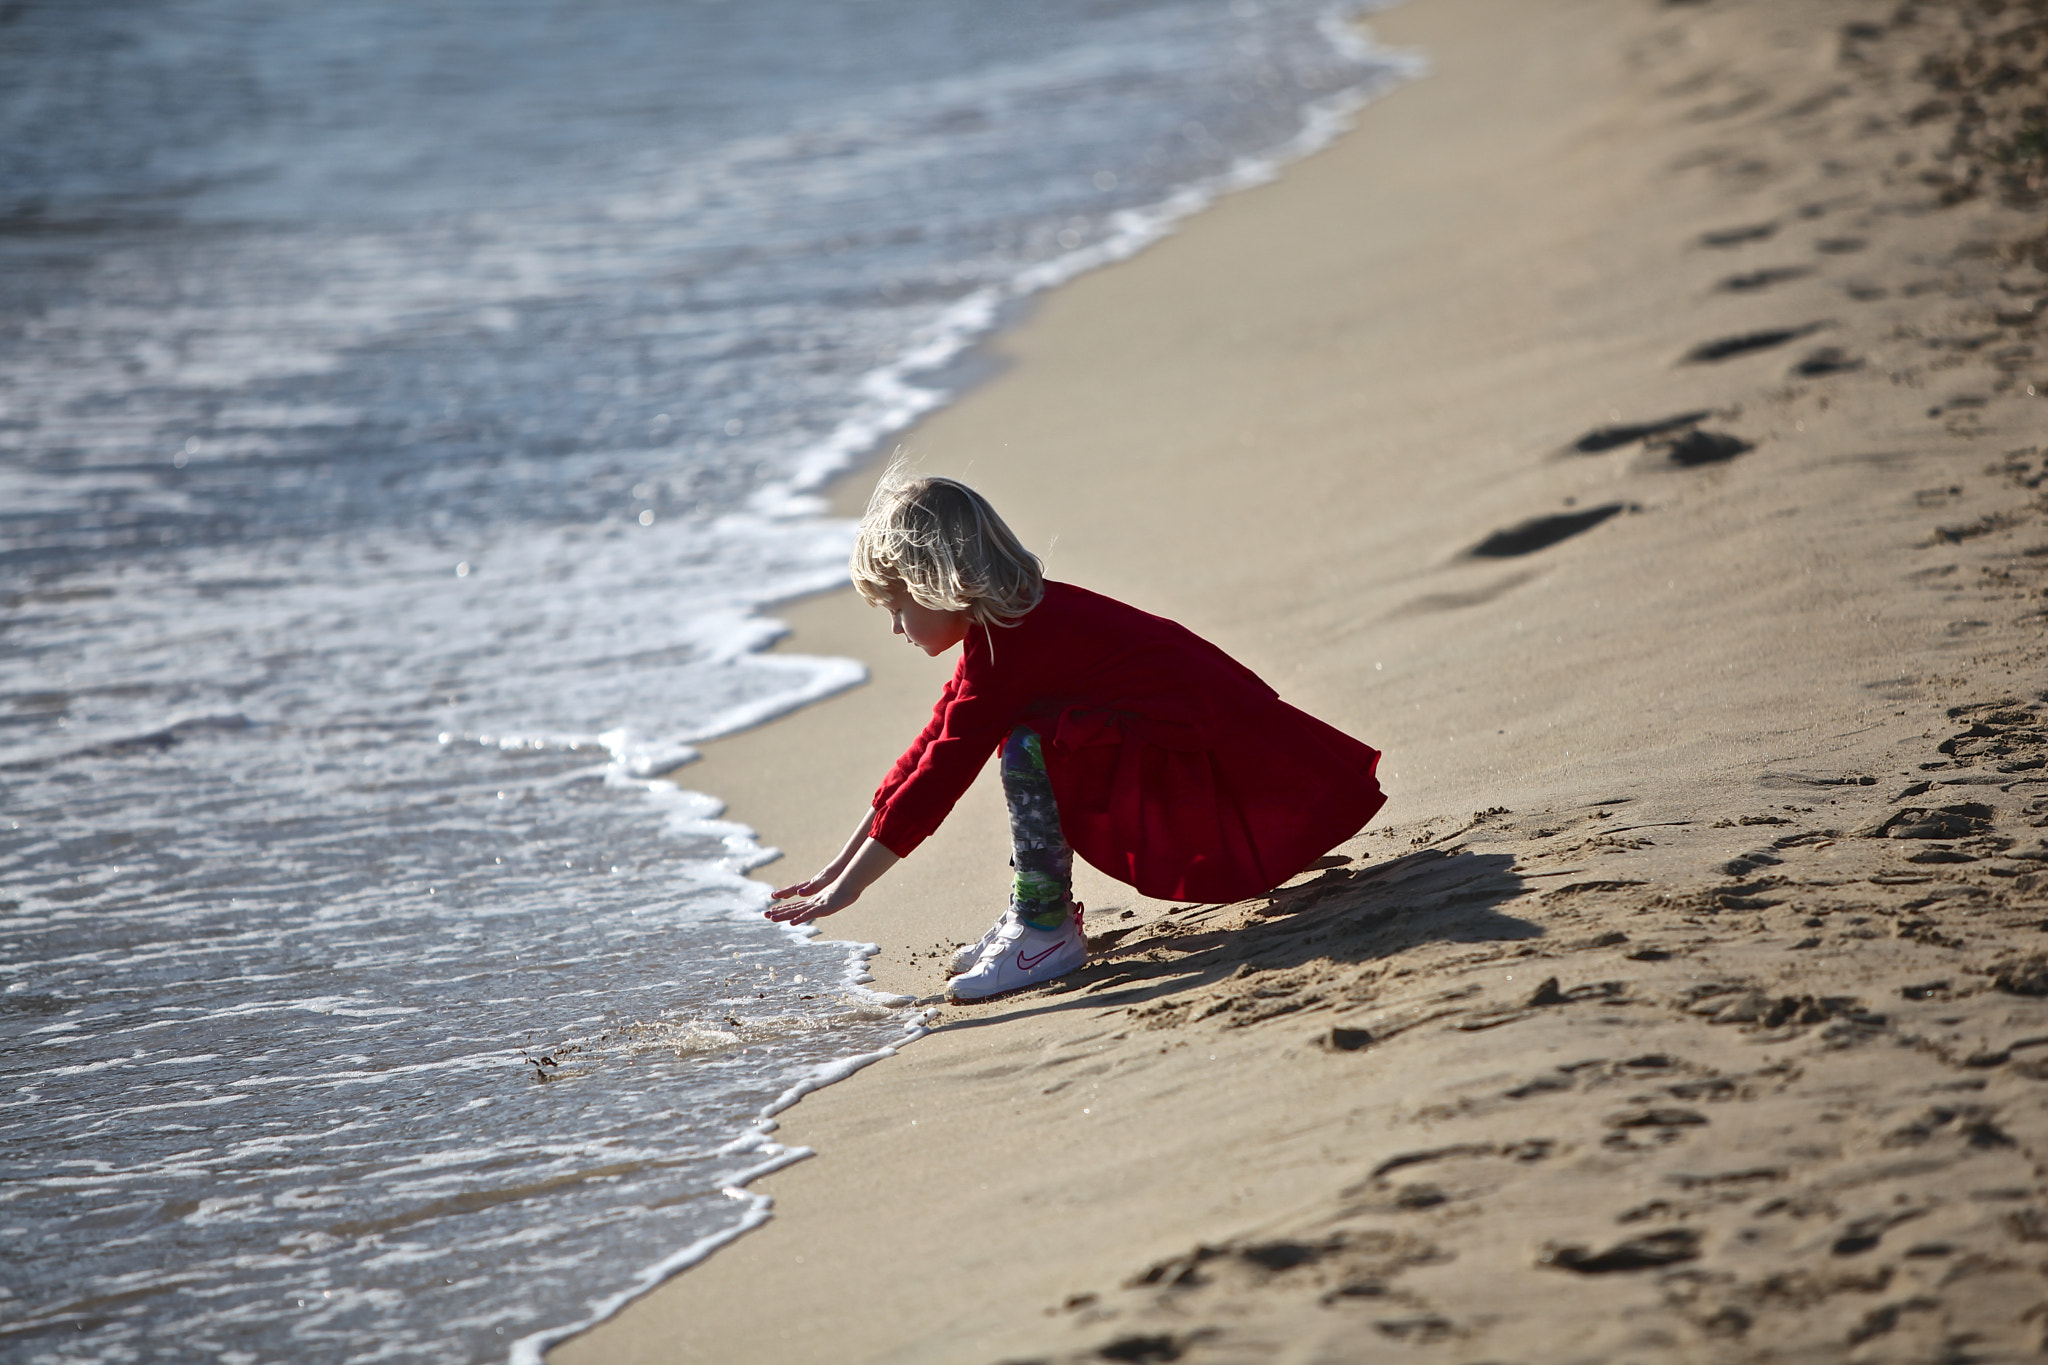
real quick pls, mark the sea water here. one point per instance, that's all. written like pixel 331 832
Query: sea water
pixel 405 413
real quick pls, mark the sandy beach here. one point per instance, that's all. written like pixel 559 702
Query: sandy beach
pixel 1635 429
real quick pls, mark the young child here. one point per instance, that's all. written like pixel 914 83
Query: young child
pixel 1123 737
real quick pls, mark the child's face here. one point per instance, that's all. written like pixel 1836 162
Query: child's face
pixel 932 631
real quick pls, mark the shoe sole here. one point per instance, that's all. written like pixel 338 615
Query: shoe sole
pixel 1014 990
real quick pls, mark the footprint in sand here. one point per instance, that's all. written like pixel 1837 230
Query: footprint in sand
pixel 1475 597
pixel 1621 434
pixel 1725 348
pixel 1752 280
pixel 1828 360
pixel 1737 236
pixel 2025 314
pixel 1652 1252
pixel 1540 533
pixel 1705 447
pixel 1689 447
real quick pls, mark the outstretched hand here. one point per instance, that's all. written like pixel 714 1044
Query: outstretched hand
pixel 810 899
pixel 837 887
pixel 809 886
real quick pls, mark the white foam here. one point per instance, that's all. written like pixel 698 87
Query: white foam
pixel 531 1349
pixel 892 400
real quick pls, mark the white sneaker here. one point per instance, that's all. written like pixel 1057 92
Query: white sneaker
pixel 967 954
pixel 1022 956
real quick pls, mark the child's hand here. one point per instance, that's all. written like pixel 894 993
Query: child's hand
pixel 809 886
pixel 832 890
pixel 814 899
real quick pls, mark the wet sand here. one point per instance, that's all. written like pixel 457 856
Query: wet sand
pixel 1634 429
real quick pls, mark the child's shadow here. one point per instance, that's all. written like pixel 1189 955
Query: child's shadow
pixel 1347 915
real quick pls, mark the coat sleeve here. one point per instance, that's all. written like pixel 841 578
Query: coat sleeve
pixel 974 714
pixel 907 764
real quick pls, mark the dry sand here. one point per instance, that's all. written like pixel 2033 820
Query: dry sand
pixel 1687 1002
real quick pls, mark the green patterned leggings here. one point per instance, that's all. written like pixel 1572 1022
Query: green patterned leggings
pixel 1043 864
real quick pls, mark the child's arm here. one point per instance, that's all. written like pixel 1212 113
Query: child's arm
pixel 839 885
pixel 820 881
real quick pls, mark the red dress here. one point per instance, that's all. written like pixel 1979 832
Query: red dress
pixel 1174 767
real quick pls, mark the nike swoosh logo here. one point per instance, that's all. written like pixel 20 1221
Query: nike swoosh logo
pixel 1027 962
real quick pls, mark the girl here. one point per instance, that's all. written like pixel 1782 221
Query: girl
pixel 1124 737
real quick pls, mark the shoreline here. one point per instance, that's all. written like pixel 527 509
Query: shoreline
pixel 1684 991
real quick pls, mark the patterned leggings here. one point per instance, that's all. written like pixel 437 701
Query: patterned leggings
pixel 1044 865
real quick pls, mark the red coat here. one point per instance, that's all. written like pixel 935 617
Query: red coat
pixel 1175 768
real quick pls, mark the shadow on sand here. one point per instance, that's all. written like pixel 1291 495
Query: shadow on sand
pixel 1347 915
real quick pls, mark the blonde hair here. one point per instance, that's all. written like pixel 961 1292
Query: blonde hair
pixel 940 542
